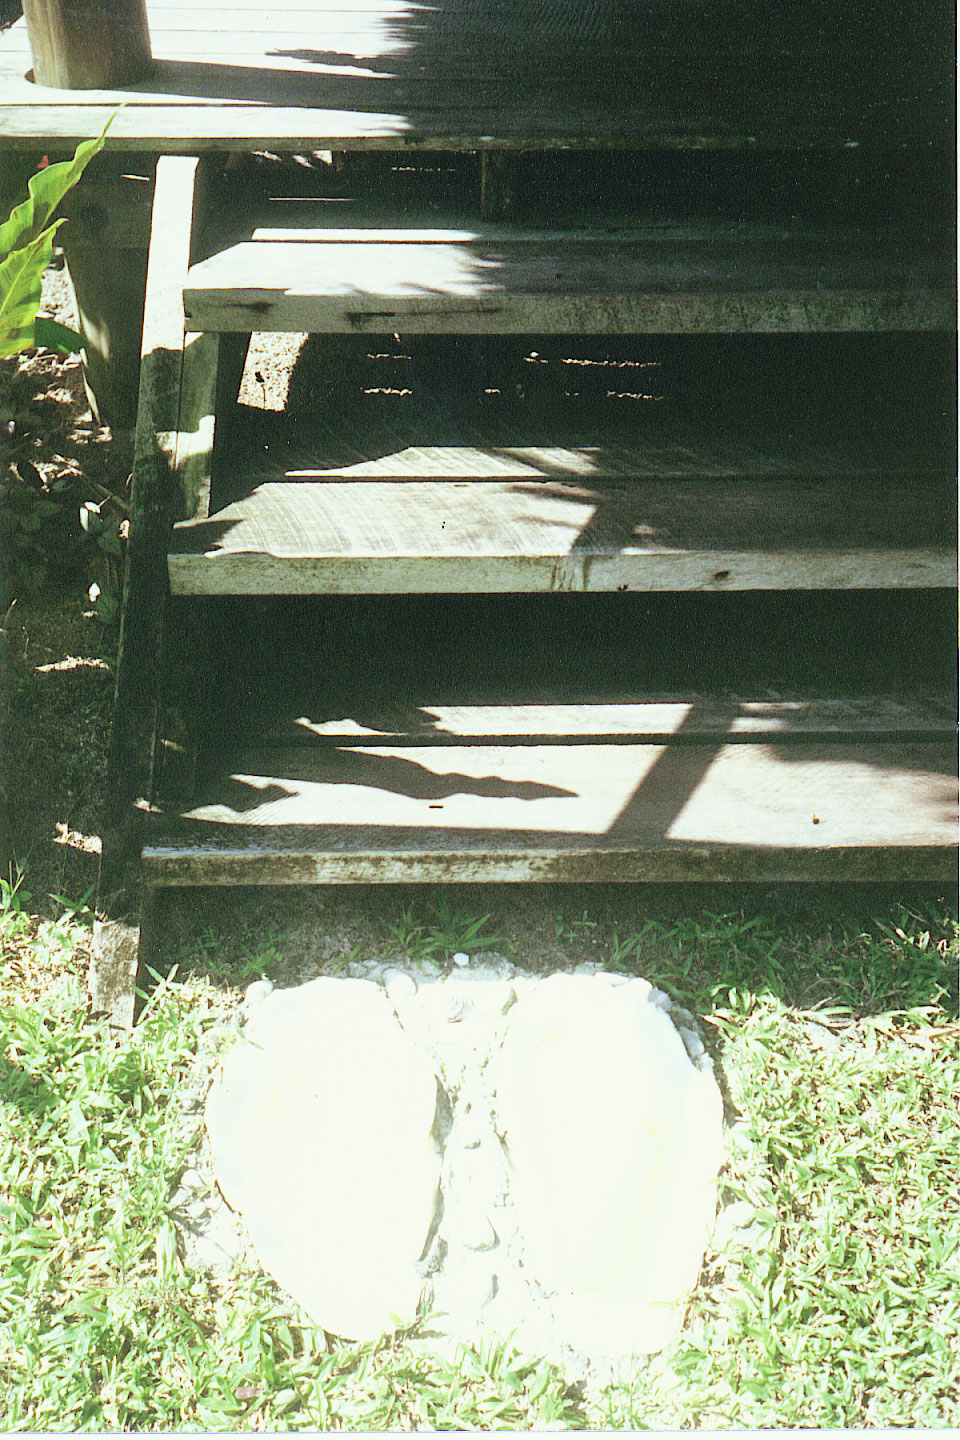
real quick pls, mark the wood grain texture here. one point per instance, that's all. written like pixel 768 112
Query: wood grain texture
pixel 88 44
pixel 347 814
pixel 627 284
pixel 110 208
pixel 478 73
pixel 109 301
pixel 364 536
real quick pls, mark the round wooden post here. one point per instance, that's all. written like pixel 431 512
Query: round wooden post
pixel 88 44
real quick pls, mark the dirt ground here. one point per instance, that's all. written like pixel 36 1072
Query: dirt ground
pixel 58 683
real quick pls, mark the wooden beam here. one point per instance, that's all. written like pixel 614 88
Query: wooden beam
pixel 627 284
pixel 168 460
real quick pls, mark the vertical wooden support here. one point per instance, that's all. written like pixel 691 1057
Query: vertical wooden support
pixel 109 299
pixel 171 481
pixel 88 44
pixel 151 943
pixel 105 243
pixel 15 172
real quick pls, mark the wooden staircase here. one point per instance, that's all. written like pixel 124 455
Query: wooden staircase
pixel 703 420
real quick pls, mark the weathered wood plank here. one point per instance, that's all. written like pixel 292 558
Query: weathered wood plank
pixel 365 536
pixel 292 76
pixel 363 36
pixel 688 717
pixel 597 414
pixel 170 478
pixel 156 499
pixel 626 285
pixel 367 223
pixel 567 811
pixel 180 121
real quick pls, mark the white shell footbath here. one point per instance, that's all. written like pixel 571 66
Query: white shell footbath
pixel 511 1154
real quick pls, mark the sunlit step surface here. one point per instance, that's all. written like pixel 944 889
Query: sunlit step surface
pixel 307 534
pixel 763 809
pixel 452 278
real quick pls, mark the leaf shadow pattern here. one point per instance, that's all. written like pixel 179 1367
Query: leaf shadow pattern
pixel 362 768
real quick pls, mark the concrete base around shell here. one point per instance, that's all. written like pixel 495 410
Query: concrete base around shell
pixel 508 1153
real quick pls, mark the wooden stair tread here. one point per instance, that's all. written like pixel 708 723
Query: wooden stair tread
pixel 674 718
pixel 446 280
pixel 766 809
pixel 308 535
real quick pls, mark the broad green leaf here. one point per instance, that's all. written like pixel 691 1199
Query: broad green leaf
pixel 46 189
pixel 54 336
pixel 26 246
pixel 20 276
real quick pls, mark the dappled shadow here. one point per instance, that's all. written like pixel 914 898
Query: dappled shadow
pixel 717 780
pixel 420 78
pixel 695 456
pixel 719 66
pixel 722 790
pixel 29 1092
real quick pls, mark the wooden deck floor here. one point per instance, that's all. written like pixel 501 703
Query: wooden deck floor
pixel 473 74
pixel 445 280
pixel 310 535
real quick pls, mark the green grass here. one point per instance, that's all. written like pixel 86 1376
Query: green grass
pixel 442 932
pixel 845 1308
pixel 838 1307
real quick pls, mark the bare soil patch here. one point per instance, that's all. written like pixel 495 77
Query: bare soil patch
pixel 58 682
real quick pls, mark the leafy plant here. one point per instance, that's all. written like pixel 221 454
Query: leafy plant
pixel 14 916
pixel 38 525
pixel 26 249
pixel 572 928
pixel 445 932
